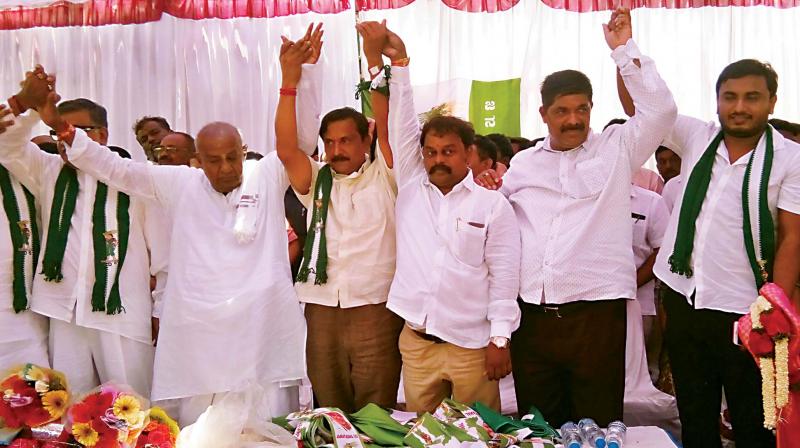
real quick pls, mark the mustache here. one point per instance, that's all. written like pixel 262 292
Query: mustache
pixel 573 127
pixel 741 115
pixel 440 167
pixel 339 158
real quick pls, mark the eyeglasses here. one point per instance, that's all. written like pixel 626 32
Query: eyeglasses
pixel 158 150
pixel 86 129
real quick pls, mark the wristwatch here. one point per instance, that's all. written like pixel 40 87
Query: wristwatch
pixel 499 341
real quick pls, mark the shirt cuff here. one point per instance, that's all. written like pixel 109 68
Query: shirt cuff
pixel 500 328
pixel 625 54
pixel 400 75
pixel 78 146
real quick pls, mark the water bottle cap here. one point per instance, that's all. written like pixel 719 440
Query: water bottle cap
pixel 613 444
pixel 600 443
pixel 574 445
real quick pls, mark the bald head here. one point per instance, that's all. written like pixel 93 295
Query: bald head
pixel 220 152
pixel 175 149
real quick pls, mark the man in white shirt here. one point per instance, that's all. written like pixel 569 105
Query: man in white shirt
pixel 458 257
pixel 668 163
pixel 735 226
pixel 24 335
pixel 650 218
pixel 231 323
pixel 349 256
pixel 93 279
pixel 672 192
pixel 149 131
pixel 571 195
pixel 484 157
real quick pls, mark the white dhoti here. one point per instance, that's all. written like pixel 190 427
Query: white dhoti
pixel 23 339
pixel 644 404
pixel 275 400
pixel 90 357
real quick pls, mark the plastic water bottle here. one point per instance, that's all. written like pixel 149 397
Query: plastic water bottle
pixel 592 433
pixel 615 435
pixel 571 435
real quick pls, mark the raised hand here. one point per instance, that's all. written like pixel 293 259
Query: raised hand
pixel 395 48
pixel 293 55
pixel 314 37
pixel 5 121
pixel 48 111
pixel 374 36
pixel 35 88
pixel 618 30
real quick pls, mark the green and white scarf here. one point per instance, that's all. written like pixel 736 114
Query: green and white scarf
pixel 758 226
pixel 24 232
pixel 110 231
pixel 315 251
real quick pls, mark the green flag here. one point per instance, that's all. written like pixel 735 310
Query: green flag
pixel 494 107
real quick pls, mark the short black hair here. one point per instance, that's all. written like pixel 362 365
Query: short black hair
pixel 345 113
pixel 504 149
pixel 141 122
pixel 519 140
pixel 565 82
pixel 783 125
pixel 97 113
pixel 120 151
pixel 49 147
pixel 535 141
pixel 750 67
pixel 663 148
pixel 614 121
pixel 446 124
pixel 486 149
pixel 252 155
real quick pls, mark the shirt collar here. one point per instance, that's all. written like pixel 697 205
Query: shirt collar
pixel 355 174
pixel 546 144
pixel 467 183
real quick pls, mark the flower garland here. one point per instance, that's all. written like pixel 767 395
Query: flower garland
pixel 771 344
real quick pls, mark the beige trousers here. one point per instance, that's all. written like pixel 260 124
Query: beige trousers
pixel 435 371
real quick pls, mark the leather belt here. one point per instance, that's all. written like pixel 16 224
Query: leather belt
pixel 429 337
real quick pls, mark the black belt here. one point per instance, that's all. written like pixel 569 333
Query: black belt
pixel 429 337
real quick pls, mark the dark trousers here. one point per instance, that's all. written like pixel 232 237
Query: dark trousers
pixel 704 361
pixel 353 355
pixel 569 361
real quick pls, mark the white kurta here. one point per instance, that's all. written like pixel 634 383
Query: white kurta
pixel 114 348
pixel 70 299
pixel 231 317
pixel 23 337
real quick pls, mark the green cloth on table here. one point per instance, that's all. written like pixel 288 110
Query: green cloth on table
pixel 507 425
pixel 378 424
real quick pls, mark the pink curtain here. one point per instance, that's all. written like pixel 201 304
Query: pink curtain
pixel 93 12
pixel 227 9
pixel 105 12
pixel 607 5
pixel 460 5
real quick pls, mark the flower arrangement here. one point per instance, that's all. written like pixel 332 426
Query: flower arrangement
pixel 770 332
pixel 161 431
pixel 32 396
pixel 108 417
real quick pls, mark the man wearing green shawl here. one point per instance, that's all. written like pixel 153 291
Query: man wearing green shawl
pixel 93 274
pixel 735 226
pixel 349 255
pixel 24 336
